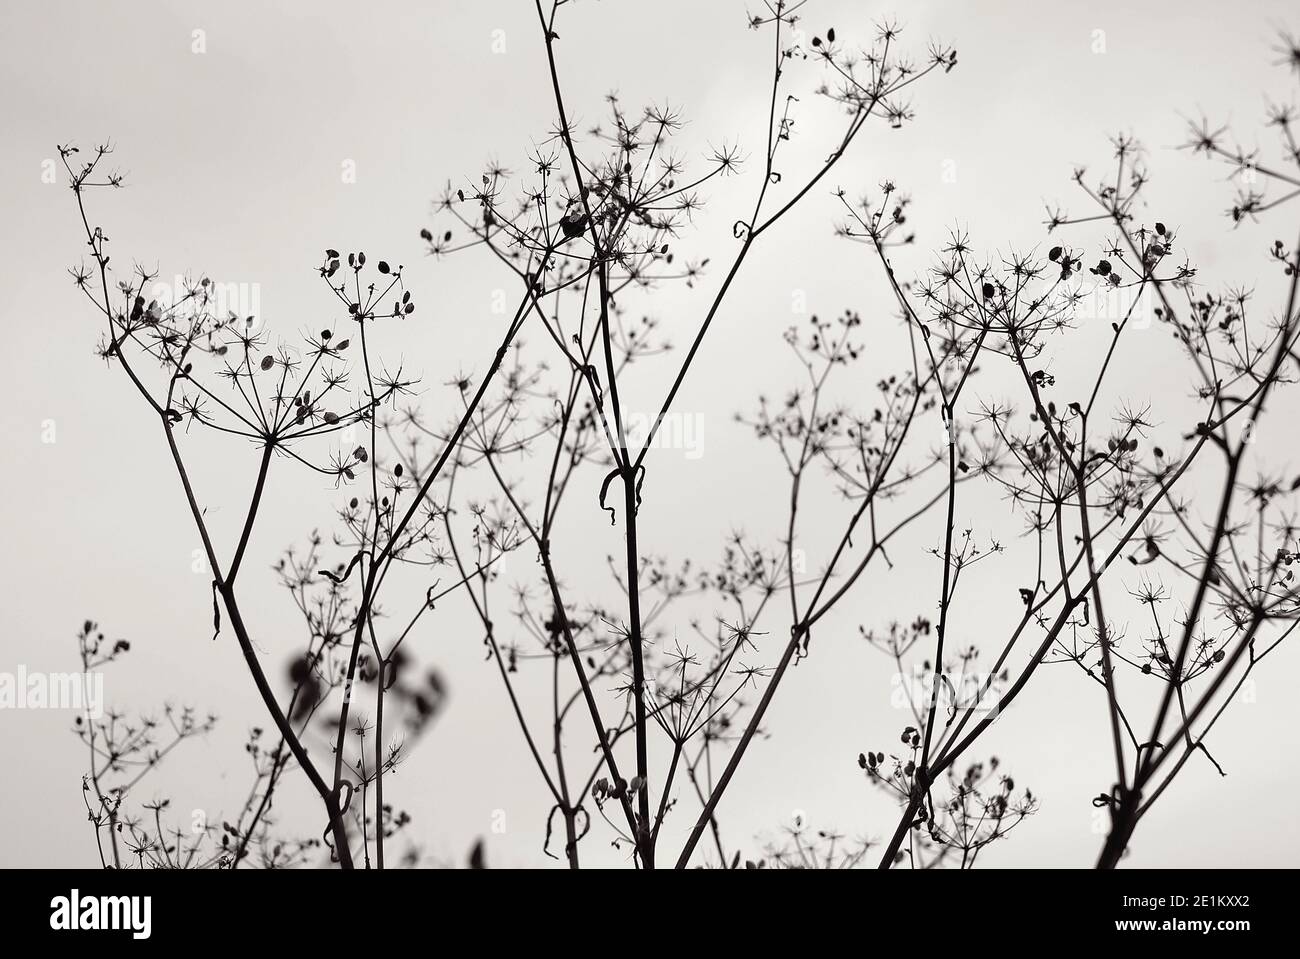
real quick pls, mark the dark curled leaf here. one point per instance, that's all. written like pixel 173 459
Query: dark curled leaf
pixel 346 573
pixel 344 804
pixel 604 489
pixel 574 224
pixel 546 843
pixel 216 611
pixel 1152 553
pixel 640 480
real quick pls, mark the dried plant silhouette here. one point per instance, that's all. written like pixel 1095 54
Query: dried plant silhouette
pixel 1165 575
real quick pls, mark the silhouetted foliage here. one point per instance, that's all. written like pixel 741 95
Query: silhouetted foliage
pixel 1122 535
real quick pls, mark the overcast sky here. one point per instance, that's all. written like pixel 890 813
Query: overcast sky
pixel 237 124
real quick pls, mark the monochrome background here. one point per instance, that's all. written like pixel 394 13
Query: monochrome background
pixel 234 160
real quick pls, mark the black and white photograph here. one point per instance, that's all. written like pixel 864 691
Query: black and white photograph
pixel 570 435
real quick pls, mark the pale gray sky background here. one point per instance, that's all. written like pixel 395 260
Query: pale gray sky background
pixel 233 159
